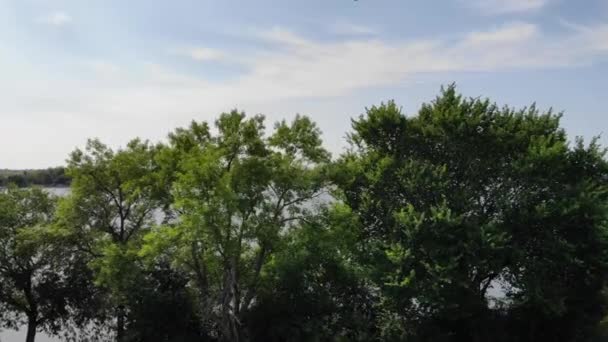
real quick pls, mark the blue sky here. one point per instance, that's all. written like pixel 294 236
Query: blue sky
pixel 74 69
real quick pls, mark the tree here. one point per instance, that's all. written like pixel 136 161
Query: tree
pixel 314 290
pixel 36 277
pixel 162 307
pixel 237 193
pixel 112 202
pixel 466 196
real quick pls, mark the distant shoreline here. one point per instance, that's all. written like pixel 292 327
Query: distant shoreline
pixel 50 177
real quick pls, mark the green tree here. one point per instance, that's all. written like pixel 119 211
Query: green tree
pixel 465 196
pixel 237 192
pixel 313 289
pixel 36 277
pixel 162 307
pixel 111 205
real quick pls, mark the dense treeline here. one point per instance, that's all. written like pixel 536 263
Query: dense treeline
pixel 465 222
pixel 52 177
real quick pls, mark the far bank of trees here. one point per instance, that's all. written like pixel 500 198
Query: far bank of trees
pixel 51 177
pixel 464 222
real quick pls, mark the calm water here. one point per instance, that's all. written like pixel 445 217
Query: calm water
pixel 58 191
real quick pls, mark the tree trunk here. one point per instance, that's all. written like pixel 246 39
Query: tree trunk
pixel 31 329
pixel 120 324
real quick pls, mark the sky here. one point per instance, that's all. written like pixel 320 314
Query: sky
pixel 115 70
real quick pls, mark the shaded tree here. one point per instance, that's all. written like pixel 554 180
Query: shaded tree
pixel 162 308
pixel 36 276
pixel 314 290
pixel 466 196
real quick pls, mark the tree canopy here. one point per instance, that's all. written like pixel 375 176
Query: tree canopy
pixel 465 221
pixel 465 197
pixel 39 280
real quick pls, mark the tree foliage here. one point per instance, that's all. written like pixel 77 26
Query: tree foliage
pixel 463 222
pixel 467 196
pixel 237 193
pixel 111 205
pixel 38 279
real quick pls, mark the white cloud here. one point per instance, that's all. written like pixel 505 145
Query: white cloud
pixel 103 68
pixel 280 35
pixel 600 39
pixel 117 102
pixel 201 54
pixel 350 29
pixel 57 18
pixel 509 34
pixel 506 6
pixel 595 37
pixel 311 68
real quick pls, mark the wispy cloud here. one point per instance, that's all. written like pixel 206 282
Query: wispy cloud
pixel 201 54
pixel 280 35
pixel 506 6
pixel 508 34
pixel 102 67
pixel 351 29
pixel 295 66
pixel 299 67
pixel 138 100
pixel 304 67
pixel 56 18
pixel 594 37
